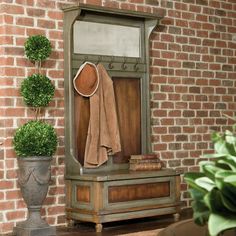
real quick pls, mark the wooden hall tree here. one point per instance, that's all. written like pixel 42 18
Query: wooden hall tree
pixel 120 41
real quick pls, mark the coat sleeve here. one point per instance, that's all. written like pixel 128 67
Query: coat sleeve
pixel 111 118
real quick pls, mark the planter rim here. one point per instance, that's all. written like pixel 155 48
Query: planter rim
pixel 35 158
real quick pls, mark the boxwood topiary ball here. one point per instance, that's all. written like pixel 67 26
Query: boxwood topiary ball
pixel 35 138
pixel 37 48
pixel 37 90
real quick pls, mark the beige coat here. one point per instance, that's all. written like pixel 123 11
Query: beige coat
pixel 103 132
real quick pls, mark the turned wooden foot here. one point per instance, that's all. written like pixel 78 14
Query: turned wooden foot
pixel 98 228
pixel 71 223
pixel 176 217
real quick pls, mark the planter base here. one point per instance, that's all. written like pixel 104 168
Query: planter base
pixel 47 231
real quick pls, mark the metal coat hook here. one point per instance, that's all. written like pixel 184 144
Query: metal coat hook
pixel 124 66
pixel 136 67
pixel 110 65
pixel 99 59
pixel 85 59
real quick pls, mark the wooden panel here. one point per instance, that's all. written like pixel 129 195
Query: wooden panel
pixel 128 105
pixel 128 100
pixel 82 193
pixel 82 113
pixel 138 192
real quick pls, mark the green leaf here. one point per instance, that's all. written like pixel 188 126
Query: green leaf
pixel 230 163
pixel 209 169
pixel 220 147
pixel 196 194
pixel 213 201
pixel 217 223
pixel 190 179
pixel 226 188
pixel 215 137
pixel 200 212
pixel 231 179
pixel 215 155
pixel 228 203
pixel 229 137
pixel 205 183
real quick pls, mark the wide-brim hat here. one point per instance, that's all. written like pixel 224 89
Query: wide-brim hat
pixel 86 80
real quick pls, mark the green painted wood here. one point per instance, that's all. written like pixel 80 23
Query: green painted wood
pixel 111 11
pixel 123 174
pixel 146 22
pixel 99 180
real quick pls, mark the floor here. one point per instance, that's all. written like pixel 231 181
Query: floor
pixel 121 227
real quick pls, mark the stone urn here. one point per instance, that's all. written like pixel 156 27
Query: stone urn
pixel 34 174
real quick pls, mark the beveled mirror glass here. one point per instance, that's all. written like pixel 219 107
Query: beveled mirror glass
pixel 106 39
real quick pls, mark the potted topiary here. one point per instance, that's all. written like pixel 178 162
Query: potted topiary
pixel 213 189
pixel 35 142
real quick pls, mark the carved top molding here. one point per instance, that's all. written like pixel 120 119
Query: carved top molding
pixel 109 10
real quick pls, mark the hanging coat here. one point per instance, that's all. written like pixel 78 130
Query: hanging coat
pixel 103 137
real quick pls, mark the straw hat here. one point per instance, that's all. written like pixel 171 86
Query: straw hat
pixel 86 80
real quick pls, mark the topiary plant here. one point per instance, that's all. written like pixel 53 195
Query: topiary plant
pixel 37 90
pixel 35 138
pixel 37 48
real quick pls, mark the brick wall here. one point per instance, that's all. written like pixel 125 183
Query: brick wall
pixel 193 64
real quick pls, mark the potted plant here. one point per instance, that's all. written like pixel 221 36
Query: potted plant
pixel 35 142
pixel 213 189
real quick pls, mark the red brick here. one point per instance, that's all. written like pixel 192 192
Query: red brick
pixel 12 9
pixel 47 24
pixel 6 40
pixel 46 4
pixel 4 184
pixel 35 12
pixel 25 2
pixel 14 194
pixel 15 215
pixel 55 210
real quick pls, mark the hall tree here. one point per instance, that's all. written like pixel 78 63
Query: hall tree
pixel 110 192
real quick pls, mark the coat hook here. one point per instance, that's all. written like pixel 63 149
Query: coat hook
pixel 99 59
pixel 136 67
pixel 110 65
pixel 85 59
pixel 123 66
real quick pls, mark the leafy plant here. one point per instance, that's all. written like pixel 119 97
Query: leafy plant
pixel 37 90
pixel 213 189
pixel 37 48
pixel 35 138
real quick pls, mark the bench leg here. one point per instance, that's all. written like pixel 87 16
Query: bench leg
pixel 176 217
pixel 98 228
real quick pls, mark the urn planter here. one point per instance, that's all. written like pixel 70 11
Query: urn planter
pixel 34 174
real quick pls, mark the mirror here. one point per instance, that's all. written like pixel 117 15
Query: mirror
pixel 106 39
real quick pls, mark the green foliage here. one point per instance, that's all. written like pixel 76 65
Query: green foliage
pixel 214 189
pixel 35 138
pixel 37 48
pixel 37 90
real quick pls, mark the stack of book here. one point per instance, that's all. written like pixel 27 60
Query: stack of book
pixel 145 162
